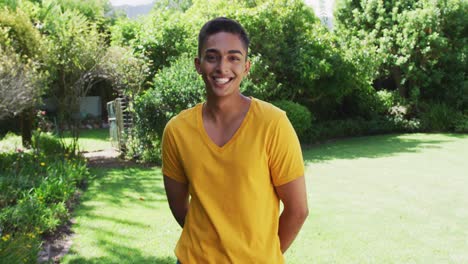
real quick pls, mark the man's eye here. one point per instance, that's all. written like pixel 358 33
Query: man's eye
pixel 235 58
pixel 210 57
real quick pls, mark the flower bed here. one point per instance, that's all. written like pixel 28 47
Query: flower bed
pixel 36 190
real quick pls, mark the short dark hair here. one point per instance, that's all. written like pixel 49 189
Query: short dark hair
pixel 222 24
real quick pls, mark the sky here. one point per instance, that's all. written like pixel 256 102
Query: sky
pixel 130 2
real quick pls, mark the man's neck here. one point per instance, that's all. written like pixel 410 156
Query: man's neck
pixel 226 109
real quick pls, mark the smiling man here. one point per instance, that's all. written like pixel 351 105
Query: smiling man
pixel 228 162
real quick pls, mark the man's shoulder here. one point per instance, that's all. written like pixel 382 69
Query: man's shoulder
pixel 267 110
pixel 185 117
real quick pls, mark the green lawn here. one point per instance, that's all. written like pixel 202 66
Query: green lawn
pixel 89 140
pixel 92 140
pixel 10 142
pixel 382 199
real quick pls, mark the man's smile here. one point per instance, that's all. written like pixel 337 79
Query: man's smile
pixel 222 80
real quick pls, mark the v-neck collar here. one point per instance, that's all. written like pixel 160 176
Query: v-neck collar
pixel 207 138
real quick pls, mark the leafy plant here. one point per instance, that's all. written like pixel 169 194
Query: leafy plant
pixel 174 89
pixel 439 117
pixel 299 116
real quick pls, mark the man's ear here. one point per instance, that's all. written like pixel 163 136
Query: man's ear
pixel 197 65
pixel 247 68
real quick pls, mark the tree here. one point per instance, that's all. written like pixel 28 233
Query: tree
pixel 22 52
pixel 421 44
pixel 19 84
pixel 75 48
pixel 126 70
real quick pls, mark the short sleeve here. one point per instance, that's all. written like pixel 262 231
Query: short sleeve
pixel 285 154
pixel 171 162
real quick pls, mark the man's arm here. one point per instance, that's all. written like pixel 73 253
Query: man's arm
pixel 178 198
pixel 294 197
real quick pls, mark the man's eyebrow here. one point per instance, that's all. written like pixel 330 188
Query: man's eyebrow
pixel 230 51
pixel 235 51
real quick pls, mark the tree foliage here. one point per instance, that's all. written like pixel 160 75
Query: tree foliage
pixel 19 84
pixel 75 48
pixel 21 71
pixel 18 33
pixel 420 45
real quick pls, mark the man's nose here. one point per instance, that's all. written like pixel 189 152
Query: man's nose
pixel 223 65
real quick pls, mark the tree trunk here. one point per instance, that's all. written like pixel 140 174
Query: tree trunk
pixel 402 89
pixel 26 124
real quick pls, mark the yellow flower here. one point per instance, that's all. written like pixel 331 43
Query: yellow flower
pixel 31 235
pixel 6 237
pixel 42 164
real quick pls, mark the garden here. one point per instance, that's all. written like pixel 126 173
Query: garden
pixel 379 102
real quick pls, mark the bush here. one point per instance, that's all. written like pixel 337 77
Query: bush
pixel 47 143
pixel 19 248
pixel 359 127
pixel 300 116
pixel 439 117
pixel 261 81
pixel 174 89
pixel 461 125
pixel 36 189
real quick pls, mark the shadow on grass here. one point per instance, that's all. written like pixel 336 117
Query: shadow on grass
pixel 375 146
pixel 129 184
pixel 122 255
pixel 121 187
pixel 129 259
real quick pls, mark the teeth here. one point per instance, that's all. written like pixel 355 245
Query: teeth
pixel 221 80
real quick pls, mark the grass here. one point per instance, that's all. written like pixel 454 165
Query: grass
pixel 124 218
pixel 92 140
pixel 89 140
pixel 382 199
pixel 10 142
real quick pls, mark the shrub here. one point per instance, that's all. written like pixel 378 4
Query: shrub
pixel 359 127
pixel 18 248
pixel 32 214
pixel 300 116
pixel 461 125
pixel 47 143
pixel 261 81
pixel 438 117
pixel 36 187
pixel 174 89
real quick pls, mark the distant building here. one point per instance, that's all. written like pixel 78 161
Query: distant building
pixel 323 10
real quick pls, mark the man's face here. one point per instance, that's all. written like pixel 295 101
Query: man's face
pixel 222 64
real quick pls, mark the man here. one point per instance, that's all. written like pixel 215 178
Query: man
pixel 236 157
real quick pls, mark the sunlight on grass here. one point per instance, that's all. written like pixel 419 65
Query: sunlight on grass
pixel 92 140
pixel 124 218
pixel 89 140
pixel 10 142
pixel 387 199
pixel 382 199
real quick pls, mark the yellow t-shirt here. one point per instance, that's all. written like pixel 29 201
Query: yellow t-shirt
pixel 234 210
